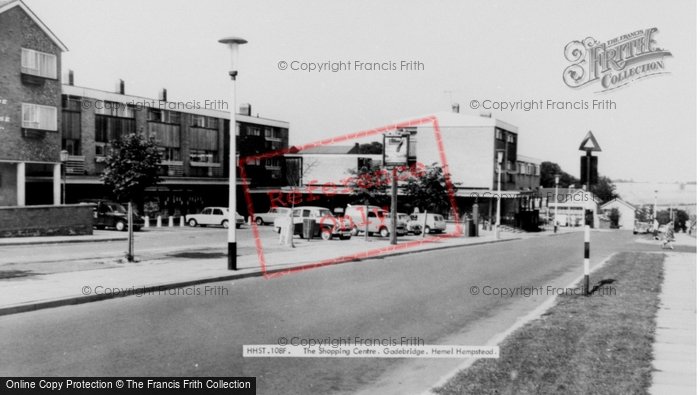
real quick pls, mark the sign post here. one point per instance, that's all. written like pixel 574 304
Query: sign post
pixel 589 175
pixel 395 154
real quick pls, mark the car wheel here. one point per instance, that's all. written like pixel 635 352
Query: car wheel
pixel 416 232
pixel 260 221
pixel 427 230
pixel 224 223
pixel 354 231
pixel 384 232
pixel 326 235
pixel 121 226
pixel 192 222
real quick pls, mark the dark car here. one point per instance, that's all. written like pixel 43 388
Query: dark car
pixel 108 214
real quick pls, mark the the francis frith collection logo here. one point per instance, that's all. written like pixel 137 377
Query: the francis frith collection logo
pixel 614 63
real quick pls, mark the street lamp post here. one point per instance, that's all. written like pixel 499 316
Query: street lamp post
pixel 64 159
pixel 497 234
pixel 556 200
pixel 232 43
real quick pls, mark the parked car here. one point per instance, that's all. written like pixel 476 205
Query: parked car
pixel 378 221
pixel 433 223
pixel 642 227
pixel 328 226
pixel 213 216
pixel 109 214
pixel 270 216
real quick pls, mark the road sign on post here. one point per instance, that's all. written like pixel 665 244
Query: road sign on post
pixel 395 154
pixel 589 175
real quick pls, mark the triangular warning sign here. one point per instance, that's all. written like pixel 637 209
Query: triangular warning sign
pixel 589 143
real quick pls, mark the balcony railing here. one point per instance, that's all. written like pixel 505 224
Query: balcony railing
pixel 75 165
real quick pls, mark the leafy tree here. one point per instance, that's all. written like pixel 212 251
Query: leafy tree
pixel 370 185
pixel 547 172
pixel 375 147
pixel 428 191
pixel 604 189
pixel 614 217
pixel 663 217
pixel 131 167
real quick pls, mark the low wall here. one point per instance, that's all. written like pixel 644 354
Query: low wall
pixel 70 219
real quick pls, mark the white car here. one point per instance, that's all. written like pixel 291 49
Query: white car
pixel 213 216
pixel 270 216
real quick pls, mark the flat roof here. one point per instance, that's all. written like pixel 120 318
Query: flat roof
pixel 141 101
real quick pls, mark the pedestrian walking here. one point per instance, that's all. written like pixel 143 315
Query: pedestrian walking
pixel 668 237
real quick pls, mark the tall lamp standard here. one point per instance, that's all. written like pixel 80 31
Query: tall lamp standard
pixel 233 43
pixel 497 234
pixel 64 159
pixel 556 200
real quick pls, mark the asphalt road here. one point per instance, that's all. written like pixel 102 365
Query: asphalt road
pixel 425 295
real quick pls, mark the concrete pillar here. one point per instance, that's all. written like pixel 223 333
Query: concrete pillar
pixel 57 184
pixel 146 222
pixel 182 220
pixel 159 222
pixel 170 222
pixel 21 184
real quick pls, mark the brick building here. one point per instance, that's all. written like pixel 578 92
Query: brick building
pixel 40 116
pixel 194 144
pixel 30 100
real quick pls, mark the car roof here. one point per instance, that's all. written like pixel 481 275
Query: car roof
pixel 312 207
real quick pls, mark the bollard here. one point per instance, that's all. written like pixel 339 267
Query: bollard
pixel 146 222
pixel 586 256
pixel 182 221
pixel 159 222
pixel 170 221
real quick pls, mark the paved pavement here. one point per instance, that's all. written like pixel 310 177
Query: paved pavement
pixel 675 346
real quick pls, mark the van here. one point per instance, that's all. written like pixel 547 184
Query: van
pixel 374 218
pixel 433 223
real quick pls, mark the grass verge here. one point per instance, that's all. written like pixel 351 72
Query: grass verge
pixel 601 344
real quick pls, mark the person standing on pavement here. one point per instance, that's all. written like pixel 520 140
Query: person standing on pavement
pixel 667 237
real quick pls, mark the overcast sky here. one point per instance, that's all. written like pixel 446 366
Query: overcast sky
pixel 475 50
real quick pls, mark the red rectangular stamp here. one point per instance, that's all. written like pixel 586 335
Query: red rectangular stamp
pixel 295 195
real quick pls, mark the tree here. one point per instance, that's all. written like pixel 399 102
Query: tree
pixel 547 172
pixel 614 218
pixel 375 147
pixel 428 190
pixel 370 185
pixel 604 189
pixel 131 167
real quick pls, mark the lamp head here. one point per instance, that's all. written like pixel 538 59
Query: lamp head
pixel 233 43
pixel 64 156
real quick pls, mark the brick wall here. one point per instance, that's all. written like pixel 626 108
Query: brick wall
pixel 73 219
pixel 19 31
